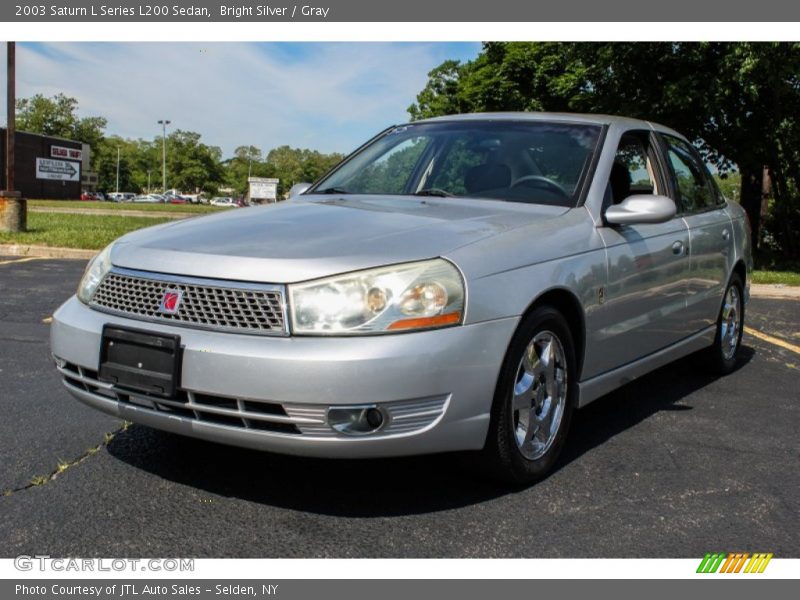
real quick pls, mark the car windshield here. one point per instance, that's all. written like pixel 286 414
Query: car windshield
pixel 516 161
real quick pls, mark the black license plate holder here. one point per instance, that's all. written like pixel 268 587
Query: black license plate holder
pixel 141 361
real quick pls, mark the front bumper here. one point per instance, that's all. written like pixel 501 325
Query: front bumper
pixel 273 393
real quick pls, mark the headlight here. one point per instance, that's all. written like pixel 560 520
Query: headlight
pixel 95 271
pixel 408 297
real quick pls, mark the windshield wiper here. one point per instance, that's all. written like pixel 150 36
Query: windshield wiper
pixel 331 190
pixel 433 192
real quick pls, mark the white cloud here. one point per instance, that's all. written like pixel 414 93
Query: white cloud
pixel 329 96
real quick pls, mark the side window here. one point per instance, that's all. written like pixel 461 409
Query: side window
pixel 632 172
pixel 692 183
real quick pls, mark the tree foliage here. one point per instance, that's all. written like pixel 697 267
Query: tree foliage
pixel 297 165
pixel 57 116
pixel 192 166
pixel 739 102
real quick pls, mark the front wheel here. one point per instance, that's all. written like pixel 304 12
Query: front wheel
pixel 534 400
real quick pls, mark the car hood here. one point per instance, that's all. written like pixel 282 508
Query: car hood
pixel 317 236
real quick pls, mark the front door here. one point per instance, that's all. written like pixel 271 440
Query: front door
pixel 645 297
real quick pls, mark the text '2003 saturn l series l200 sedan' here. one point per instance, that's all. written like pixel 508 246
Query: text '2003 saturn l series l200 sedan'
pixel 460 283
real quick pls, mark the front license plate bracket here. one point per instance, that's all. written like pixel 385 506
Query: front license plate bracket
pixel 140 360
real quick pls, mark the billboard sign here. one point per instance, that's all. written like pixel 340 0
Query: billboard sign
pixel 63 152
pixel 64 170
pixel 263 188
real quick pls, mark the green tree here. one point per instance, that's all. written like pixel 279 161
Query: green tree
pixel 104 157
pixel 296 165
pixel 247 161
pixel 58 116
pixel 739 102
pixel 191 165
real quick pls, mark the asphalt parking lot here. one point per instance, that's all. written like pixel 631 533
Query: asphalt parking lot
pixel 673 465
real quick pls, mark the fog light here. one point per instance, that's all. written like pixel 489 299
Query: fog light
pixel 60 362
pixel 356 420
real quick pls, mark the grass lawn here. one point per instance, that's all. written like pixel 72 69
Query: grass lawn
pixel 784 277
pixel 91 232
pixel 123 206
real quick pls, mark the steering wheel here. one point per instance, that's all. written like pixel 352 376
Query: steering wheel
pixel 540 182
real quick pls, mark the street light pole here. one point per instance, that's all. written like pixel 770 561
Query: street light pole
pixel 117 169
pixel 164 123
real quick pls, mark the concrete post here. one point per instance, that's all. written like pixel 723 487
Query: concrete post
pixel 13 212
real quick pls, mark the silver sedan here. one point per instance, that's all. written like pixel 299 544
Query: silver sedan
pixel 460 283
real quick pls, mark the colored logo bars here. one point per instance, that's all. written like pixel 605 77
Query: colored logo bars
pixel 732 562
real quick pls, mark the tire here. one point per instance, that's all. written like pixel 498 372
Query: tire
pixel 721 357
pixel 515 452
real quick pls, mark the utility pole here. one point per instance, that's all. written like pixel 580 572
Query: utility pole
pixel 164 123
pixel 13 208
pixel 117 169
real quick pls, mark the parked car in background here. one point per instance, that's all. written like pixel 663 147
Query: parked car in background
pixel 149 199
pixel 175 199
pixel 226 201
pixel 88 196
pixel 460 283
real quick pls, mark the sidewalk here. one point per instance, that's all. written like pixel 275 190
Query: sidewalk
pixel 111 212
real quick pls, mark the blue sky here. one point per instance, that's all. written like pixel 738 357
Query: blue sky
pixel 326 96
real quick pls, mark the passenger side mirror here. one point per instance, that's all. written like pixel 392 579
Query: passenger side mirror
pixel 298 188
pixel 641 209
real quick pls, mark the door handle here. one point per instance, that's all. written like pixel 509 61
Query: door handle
pixel 678 248
pixel 726 235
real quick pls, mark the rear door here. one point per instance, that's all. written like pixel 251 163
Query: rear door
pixel 710 232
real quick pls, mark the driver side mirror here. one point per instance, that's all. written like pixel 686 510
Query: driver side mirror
pixel 298 188
pixel 641 209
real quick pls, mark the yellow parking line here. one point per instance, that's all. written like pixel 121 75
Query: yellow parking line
pixel 19 260
pixel 772 340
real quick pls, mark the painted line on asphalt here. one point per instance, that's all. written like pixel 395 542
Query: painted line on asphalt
pixel 14 261
pixel 772 340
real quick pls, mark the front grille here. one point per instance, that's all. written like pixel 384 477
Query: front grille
pixel 219 410
pixel 404 416
pixel 229 306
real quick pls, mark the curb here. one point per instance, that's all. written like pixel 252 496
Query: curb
pixel 774 290
pixel 46 251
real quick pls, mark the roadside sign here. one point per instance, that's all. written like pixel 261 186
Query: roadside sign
pixel 263 188
pixel 63 152
pixel 50 168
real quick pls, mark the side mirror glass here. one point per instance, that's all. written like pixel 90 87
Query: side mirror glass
pixel 641 209
pixel 298 188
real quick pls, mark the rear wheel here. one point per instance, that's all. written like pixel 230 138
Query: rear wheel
pixel 721 356
pixel 534 399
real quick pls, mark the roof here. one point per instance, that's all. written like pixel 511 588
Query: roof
pixel 596 119
pixel 46 136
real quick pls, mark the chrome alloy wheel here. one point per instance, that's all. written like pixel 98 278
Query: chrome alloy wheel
pixel 539 395
pixel 730 322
